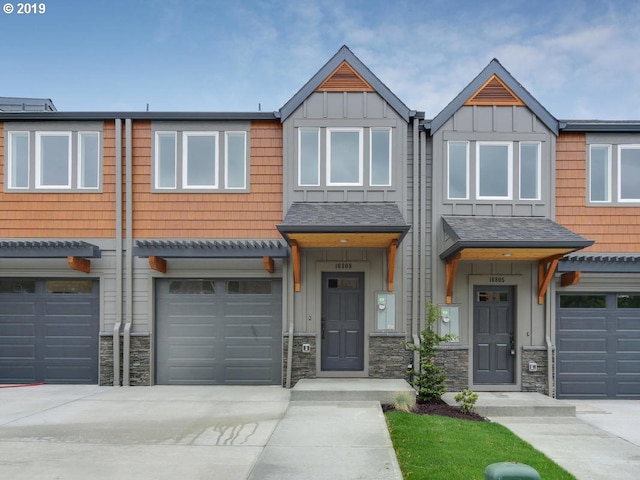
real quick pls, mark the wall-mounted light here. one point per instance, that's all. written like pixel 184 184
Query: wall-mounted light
pixel 343 240
pixel 506 254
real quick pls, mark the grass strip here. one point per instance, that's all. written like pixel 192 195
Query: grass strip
pixel 434 447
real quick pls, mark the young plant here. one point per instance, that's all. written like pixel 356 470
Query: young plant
pixel 430 379
pixel 404 402
pixel 467 400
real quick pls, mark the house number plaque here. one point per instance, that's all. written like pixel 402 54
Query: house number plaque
pixel 496 279
pixel 343 266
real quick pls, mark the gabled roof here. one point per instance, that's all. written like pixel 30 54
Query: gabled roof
pixel 345 58
pixel 494 76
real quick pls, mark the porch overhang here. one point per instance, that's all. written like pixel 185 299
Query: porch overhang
pixel 343 225
pixel 77 253
pixel 508 239
pixel 157 251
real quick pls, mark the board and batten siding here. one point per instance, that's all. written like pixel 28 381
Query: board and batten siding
pixel 615 229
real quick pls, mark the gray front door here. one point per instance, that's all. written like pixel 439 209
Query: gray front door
pixel 342 342
pixel 493 335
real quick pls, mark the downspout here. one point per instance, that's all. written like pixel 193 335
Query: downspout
pixel 417 233
pixel 424 204
pixel 126 357
pixel 549 349
pixel 289 309
pixel 118 323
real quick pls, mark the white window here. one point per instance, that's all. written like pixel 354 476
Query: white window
pixel 200 160
pixel 494 170
pixel 88 160
pixel 235 160
pixel 344 156
pixel 458 170
pixel 18 158
pixel 309 156
pixel 166 159
pixel 629 173
pixel 529 171
pixel 380 161
pixel 600 173
pixel 53 160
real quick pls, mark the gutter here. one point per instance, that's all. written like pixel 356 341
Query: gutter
pixel 126 356
pixel 118 323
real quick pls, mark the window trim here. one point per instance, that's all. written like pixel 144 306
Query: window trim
pixel 156 167
pixel 80 172
pixel 226 159
pixel 466 144
pixel 10 160
pixel 629 146
pixel 316 130
pixel 390 156
pixel 538 171
pixel 509 146
pixel 360 132
pixel 38 159
pixel 185 159
pixel 609 173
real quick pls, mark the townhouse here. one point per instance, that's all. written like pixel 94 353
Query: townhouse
pixel 142 248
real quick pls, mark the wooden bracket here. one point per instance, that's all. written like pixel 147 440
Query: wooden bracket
pixel 546 270
pixel 80 264
pixel 158 264
pixel 269 264
pixel 391 263
pixel 450 272
pixel 295 254
pixel 570 278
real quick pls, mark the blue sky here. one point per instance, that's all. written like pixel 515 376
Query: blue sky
pixel 579 58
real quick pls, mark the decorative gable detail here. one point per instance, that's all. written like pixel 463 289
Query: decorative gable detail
pixel 344 79
pixel 494 92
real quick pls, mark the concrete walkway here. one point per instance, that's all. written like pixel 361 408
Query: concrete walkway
pixel 84 432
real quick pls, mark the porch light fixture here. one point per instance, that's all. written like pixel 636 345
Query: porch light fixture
pixel 506 254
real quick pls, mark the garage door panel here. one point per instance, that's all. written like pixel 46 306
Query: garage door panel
pixel 228 336
pixel 598 347
pixel 51 333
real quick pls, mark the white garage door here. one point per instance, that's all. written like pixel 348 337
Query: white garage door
pixel 218 331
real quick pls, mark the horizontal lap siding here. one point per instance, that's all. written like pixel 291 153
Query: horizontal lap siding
pixel 614 229
pixel 212 215
pixel 62 215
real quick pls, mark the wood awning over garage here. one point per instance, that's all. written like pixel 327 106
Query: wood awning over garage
pixel 77 253
pixel 343 225
pixel 510 239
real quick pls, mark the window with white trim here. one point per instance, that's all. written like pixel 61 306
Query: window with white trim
pixel 629 173
pixel 458 170
pixel 494 170
pixel 600 173
pixel 380 157
pixel 200 160
pixel 53 160
pixel 529 171
pixel 309 157
pixel 344 156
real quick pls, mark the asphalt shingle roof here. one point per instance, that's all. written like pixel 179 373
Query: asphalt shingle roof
pixel 512 232
pixel 343 217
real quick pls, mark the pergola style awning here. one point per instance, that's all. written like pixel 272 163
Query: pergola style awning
pixel 76 252
pixel 344 225
pixel 600 263
pixel 493 239
pixel 159 250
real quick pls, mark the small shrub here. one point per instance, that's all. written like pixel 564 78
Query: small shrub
pixel 430 379
pixel 467 400
pixel 404 402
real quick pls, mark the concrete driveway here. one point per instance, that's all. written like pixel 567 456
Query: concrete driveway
pixel 89 432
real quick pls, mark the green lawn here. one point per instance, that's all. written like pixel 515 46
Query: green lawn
pixel 432 447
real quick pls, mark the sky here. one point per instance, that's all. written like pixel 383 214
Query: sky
pixel 579 58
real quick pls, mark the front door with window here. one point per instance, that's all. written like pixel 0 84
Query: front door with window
pixel 342 335
pixel 493 335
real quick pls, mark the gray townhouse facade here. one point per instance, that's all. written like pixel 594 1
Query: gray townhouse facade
pixel 264 248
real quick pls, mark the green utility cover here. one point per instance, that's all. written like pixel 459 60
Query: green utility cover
pixel 510 471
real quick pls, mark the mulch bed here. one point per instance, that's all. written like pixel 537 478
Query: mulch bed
pixel 439 407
